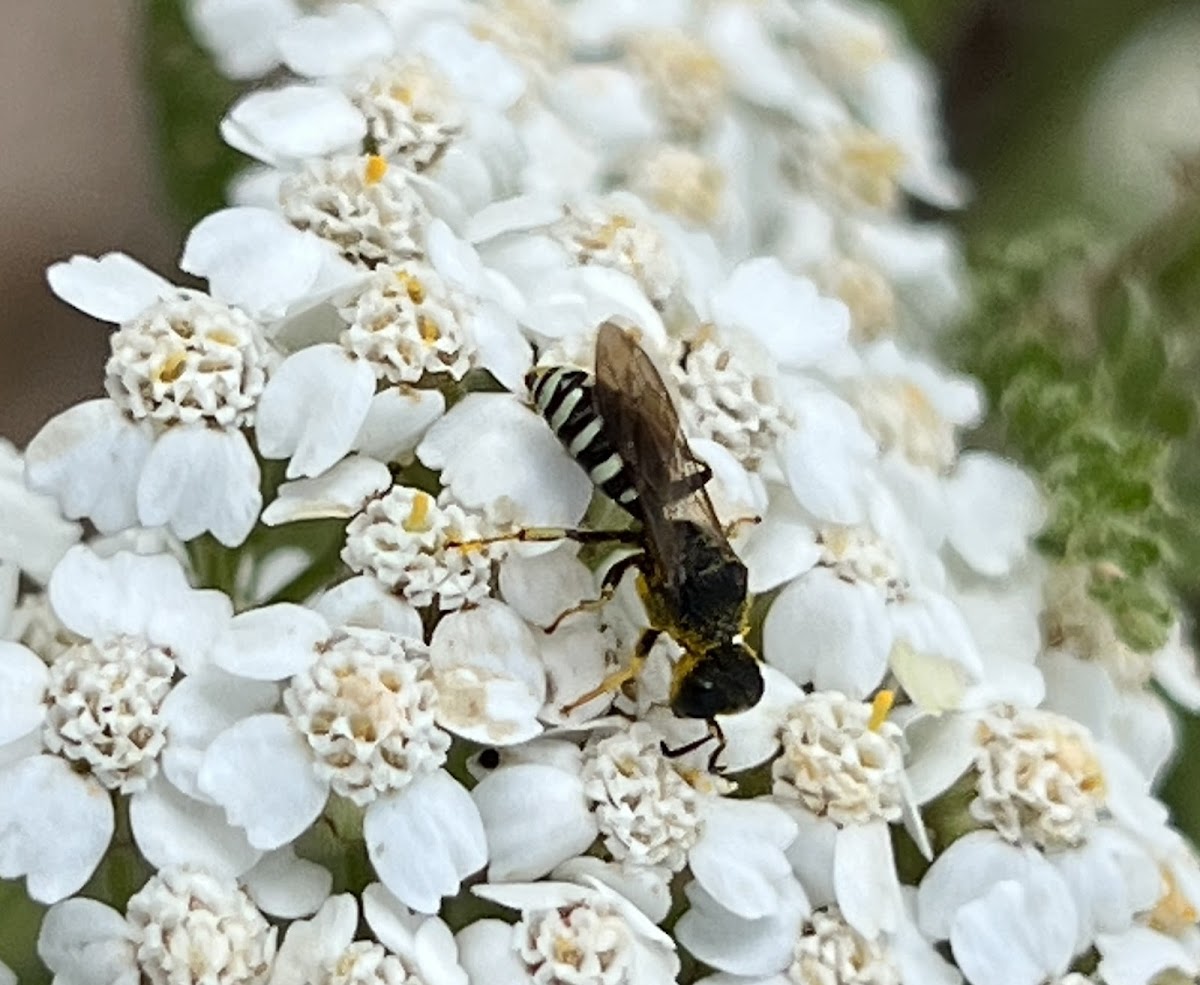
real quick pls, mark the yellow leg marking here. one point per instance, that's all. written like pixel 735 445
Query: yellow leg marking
pixel 879 709
pixel 618 678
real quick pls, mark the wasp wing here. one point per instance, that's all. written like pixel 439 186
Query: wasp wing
pixel 641 422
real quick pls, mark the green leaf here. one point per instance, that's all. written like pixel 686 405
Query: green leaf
pixel 21 918
pixel 188 98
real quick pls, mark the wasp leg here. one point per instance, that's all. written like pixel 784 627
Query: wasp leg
pixel 617 679
pixel 542 534
pixel 714 732
pixel 608 588
pixel 732 527
pixel 688 484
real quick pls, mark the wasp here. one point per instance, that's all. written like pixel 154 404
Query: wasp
pixel 621 425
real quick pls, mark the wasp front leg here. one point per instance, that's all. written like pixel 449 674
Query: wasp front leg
pixel 714 732
pixel 618 678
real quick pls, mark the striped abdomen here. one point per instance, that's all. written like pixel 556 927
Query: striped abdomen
pixel 563 396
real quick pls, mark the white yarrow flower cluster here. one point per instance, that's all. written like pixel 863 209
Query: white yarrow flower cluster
pixel 399 678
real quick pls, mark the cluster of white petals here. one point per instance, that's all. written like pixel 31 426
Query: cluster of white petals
pixel 400 678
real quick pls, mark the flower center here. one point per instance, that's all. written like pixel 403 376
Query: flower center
pixel 680 182
pixel 723 400
pixel 367 709
pixel 900 416
pixel 600 233
pixel 1174 913
pixel 855 165
pixel 403 539
pixel 866 292
pixel 534 32
pixel 407 323
pixel 185 359
pixel 411 111
pixel 191 928
pixel 362 205
pixel 645 809
pixel 685 79
pixel 841 759
pixel 368 963
pixel 831 952
pixel 102 709
pixel 856 554
pixel 1039 778
pixel 575 945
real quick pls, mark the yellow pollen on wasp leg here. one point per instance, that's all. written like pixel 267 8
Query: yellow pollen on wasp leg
pixel 418 517
pixel 880 706
pixel 172 367
pixel 377 167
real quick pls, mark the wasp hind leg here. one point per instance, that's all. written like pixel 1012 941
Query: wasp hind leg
pixel 608 588
pixel 714 732
pixel 618 678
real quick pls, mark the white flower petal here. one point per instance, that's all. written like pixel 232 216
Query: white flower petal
pixel 647 887
pixel 782 311
pixel 55 826
pixel 292 123
pixel 198 479
pixel 865 880
pixel 338 42
pixel 312 947
pixel 261 772
pixel 812 855
pixel 1111 878
pixel 1139 955
pixel 477 69
pixel 171 829
pixel 742 947
pixel 489 956
pixel 423 943
pixel 313 407
pixel 270 643
pixel 89 458
pixel 932 625
pixel 490 679
pixel 1014 934
pixel 825 458
pixel 341 492
pixel 363 601
pixel 541 587
pixel 114 288
pixel 739 858
pixel 396 421
pixel 425 839
pixel 781 547
pixel 828 632
pixel 286 886
pixel 941 749
pixel 254 258
pixel 492 448
pixel 994 511
pixel 240 34
pixel 604 101
pixel 197 710
pixel 23 680
pixel 535 817
pixel 85 942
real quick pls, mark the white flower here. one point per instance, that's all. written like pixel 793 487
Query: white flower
pixel 410 948
pixel 566 932
pixel 360 720
pixel 98 720
pixel 166 446
pixel 241 34
pixel 183 926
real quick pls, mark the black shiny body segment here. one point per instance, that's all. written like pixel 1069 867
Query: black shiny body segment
pixel 564 396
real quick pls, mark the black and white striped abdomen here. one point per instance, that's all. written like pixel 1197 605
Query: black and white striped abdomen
pixel 563 396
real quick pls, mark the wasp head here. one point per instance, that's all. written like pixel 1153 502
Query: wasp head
pixel 724 681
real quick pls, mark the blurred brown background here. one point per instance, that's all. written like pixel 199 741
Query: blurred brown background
pixel 76 176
